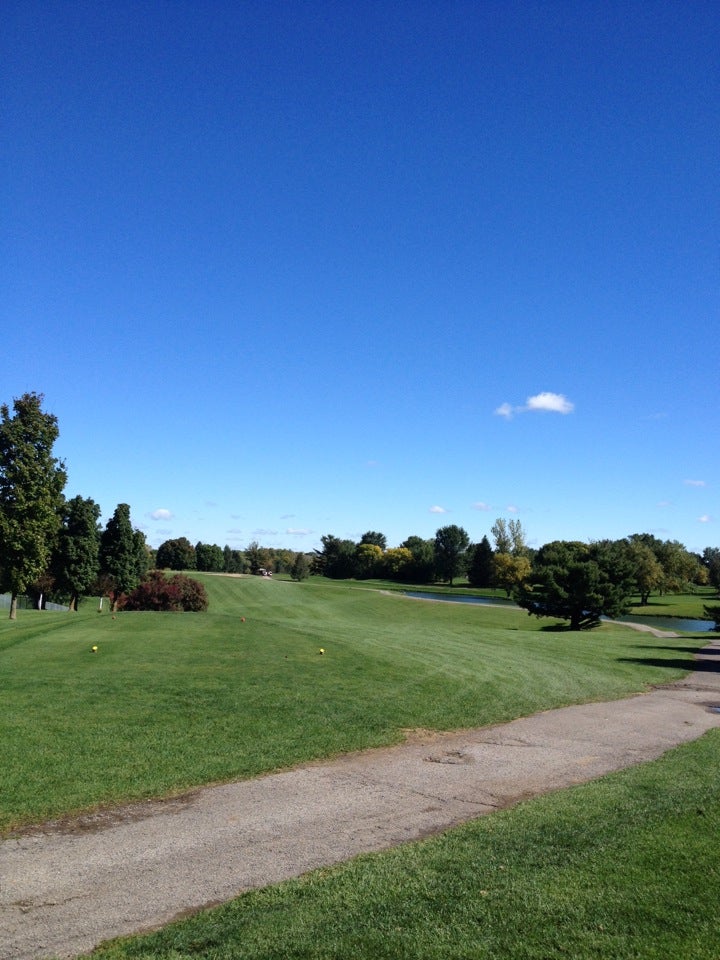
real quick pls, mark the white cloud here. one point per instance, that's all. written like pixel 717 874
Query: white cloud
pixel 437 509
pixel 481 506
pixel 705 518
pixel 694 483
pixel 162 514
pixel 511 508
pixel 545 402
pixel 505 410
pixel 261 532
pixel 552 402
pixel 665 503
pixel 298 532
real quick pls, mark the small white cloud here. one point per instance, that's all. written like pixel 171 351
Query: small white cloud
pixel 505 410
pixel 299 532
pixel 162 514
pixel 437 509
pixel 552 402
pixel 705 518
pixel 511 508
pixel 261 532
pixel 694 483
pixel 287 516
pixel 545 402
pixel 481 506
pixel 665 503
pixel 372 463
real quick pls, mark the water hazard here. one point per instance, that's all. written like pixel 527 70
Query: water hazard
pixel 659 623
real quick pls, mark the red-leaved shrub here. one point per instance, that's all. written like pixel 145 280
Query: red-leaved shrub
pixel 158 592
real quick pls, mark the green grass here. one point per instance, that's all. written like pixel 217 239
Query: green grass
pixel 171 701
pixel 623 868
pixel 679 604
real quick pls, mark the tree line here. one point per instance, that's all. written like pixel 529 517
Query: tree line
pixel 54 547
pixel 574 581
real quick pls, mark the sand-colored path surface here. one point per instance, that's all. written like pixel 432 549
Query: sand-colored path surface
pixel 65 887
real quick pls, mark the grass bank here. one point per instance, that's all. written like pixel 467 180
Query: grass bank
pixel 171 701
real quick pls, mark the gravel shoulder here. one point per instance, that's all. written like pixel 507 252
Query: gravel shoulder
pixel 66 886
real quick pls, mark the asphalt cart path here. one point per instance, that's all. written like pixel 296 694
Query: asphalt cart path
pixel 68 885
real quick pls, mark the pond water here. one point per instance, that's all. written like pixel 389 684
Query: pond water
pixel 660 623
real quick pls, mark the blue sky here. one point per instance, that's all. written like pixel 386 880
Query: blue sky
pixel 284 269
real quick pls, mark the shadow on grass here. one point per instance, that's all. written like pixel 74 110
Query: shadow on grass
pixel 676 663
pixel 687 650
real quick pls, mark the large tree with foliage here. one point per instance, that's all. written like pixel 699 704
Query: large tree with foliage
pixel 76 562
pixel 176 554
pixel 301 567
pixel 209 557
pixel 120 554
pixel 422 567
pixel 451 544
pixel 480 568
pixel 336 559
pixel 373 537
pixel 578 582
pixel 31 485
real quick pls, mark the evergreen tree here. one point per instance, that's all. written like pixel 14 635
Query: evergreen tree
pixel 301 567
pixel 119 555
pixel 480 570
pixel 77 559
pixel 31 485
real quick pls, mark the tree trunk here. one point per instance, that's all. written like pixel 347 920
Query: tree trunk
pixel 13 607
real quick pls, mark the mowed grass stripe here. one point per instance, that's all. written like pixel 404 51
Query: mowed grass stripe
pixel 171 701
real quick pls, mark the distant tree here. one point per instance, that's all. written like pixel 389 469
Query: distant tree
pixel 451 544
pixel 254 556
pixel 338 558
pixel 501 534
pixel 300 568
pixel 396 563
pixel 76 562
pixel 480 568
pixel 177 554
pixel 119 554
pixel 143 554
pixel 648 572
pixel 31 485
pixel 209 557
pixel 711 562
pixel 511 565
pixel 233 560
pixel 422 568
pixel 578 582
pixel 368 560
pixel 679 566
pixel 283 560
pixel 373 537
pixel 510 571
